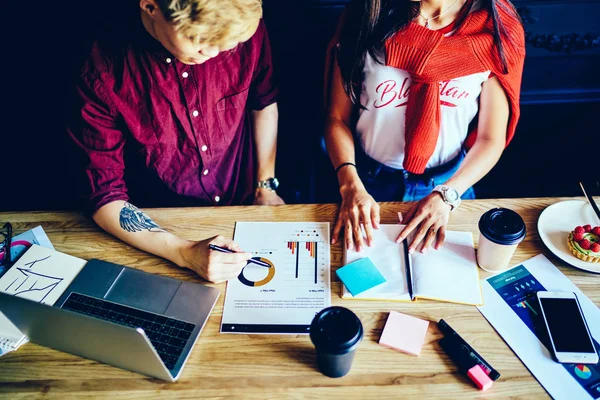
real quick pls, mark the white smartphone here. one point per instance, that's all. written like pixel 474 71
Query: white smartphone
pixel 569 334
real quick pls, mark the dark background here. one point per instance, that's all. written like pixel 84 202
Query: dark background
pixel 557 142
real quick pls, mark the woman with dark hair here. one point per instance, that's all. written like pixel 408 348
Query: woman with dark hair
pixel 422 97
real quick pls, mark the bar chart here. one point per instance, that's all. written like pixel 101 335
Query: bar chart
pixel 312 250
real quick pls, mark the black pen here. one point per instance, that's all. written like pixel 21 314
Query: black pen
pixel 408 267
pixel 225 250
pixel 458 343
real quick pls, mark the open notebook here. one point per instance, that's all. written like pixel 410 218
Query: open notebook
pixel 448 274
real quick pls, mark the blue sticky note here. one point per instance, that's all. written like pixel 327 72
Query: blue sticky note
pixel 360 275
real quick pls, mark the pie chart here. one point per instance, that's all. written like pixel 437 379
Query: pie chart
pixel 256 277
pixel 583 372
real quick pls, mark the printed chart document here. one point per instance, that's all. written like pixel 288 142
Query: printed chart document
pixel 449 274
pixel 512 308
pixel 285 297
pixel 41 275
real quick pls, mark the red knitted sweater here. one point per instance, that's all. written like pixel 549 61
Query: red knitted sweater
pixel 430 57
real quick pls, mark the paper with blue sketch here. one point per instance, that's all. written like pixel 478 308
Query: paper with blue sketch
pixel 449 274
pixel 10 337
pixel 41 275
pixel 285 297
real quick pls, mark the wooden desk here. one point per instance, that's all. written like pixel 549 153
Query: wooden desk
pixel 258 367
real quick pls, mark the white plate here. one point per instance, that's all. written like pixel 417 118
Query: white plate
pixel 558 220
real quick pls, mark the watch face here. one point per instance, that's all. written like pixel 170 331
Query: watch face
pixel 273 183
pixel 452 195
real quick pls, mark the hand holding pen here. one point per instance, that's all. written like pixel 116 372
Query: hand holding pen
pixel 213 265
pixel 229 251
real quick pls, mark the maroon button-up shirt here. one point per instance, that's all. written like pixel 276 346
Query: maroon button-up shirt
pixel 166 133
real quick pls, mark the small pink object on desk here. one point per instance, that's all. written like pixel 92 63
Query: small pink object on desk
pixel 404 333
pixel 481 379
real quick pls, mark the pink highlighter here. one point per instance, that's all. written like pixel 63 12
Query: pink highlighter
pixel 478 375
pixel 466 364
pixel 466 358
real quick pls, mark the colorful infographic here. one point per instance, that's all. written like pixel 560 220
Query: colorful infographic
pixel 518 288
pixel 285 297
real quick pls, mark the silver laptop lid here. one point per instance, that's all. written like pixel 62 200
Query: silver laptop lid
pixel 85 336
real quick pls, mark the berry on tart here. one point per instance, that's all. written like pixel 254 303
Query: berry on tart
pixel 584 243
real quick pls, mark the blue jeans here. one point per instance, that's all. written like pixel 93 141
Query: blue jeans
pixel 389 184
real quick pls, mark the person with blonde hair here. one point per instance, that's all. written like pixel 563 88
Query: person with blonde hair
pixel 178 109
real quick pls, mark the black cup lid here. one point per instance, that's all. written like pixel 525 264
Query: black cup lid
pixel 335 329
pixel 502 226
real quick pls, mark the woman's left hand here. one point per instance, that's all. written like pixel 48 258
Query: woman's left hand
pixel 428 218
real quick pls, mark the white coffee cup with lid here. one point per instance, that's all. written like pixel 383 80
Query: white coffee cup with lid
pixel 501 230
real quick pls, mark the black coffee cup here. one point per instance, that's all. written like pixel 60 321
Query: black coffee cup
pixel 336 333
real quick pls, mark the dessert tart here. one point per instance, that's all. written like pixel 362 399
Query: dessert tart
pixel 584 243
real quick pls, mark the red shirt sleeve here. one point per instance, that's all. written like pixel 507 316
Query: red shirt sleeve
pixel 92 125
pixel 263 91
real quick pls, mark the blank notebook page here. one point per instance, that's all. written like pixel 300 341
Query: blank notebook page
pixel 388 257
pixel 450 273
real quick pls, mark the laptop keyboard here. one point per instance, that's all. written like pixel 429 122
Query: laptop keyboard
pixel 168 336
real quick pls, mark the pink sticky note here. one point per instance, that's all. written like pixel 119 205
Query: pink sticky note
pixel 404 333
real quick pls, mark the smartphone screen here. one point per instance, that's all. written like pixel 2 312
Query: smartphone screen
pixel 566 326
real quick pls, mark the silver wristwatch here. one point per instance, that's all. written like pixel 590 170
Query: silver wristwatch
pixel 271 184
pixel 449 195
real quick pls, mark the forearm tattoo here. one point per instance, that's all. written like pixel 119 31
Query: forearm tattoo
pixel 132 219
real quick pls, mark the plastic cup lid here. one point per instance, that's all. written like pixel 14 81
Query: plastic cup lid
pixel 502 226
pixel 335 329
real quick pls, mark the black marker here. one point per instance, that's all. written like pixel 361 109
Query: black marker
pixel 454 344
pixel 226 250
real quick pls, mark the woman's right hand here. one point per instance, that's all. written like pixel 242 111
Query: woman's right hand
pixel 358 208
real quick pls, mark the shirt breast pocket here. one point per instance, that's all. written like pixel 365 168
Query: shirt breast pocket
pixel 230 112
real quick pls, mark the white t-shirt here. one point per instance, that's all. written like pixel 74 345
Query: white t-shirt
pixel 380 128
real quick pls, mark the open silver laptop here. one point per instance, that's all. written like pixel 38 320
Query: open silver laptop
pixel 120 316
